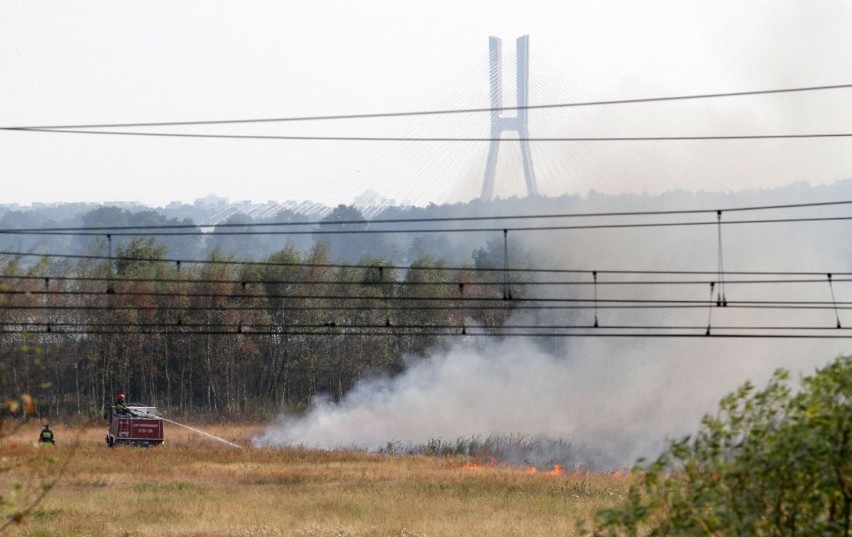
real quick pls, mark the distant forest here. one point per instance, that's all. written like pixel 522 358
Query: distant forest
pixel 233 235
pixel 238 320
pixel 223 337
pixel 208 324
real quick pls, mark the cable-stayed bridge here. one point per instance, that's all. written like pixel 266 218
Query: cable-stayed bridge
pixel 465 91
pixel 515 139
pixel 369 204
pixel 478 139
pixel 265 210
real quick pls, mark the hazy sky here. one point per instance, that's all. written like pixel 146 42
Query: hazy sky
pixel 107 61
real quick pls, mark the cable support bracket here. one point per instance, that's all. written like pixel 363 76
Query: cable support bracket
pixel 595 278
pixel 721 299
pixel 833 300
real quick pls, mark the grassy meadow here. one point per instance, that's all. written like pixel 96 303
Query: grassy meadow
pixel 193 486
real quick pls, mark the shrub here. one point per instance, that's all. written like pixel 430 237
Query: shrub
pixel 772 462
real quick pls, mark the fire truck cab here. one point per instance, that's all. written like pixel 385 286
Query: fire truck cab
pixel 140 426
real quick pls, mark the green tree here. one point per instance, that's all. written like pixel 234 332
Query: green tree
pixel 345 231
pixel 226 238
pixel 139 254
pixel 104 218
pixel 280 288
pixel 427 304
pixel 775 462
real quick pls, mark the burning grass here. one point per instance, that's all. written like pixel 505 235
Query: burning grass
pixel 196 487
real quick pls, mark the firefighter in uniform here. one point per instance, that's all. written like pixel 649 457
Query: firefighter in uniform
pixel 46 436
pixel 120 407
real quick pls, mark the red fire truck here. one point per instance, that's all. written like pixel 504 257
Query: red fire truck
pixel 140 426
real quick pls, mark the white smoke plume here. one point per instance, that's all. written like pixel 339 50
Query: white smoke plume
pixel 603 402
pixel 602 406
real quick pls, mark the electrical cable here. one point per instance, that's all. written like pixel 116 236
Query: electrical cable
pixel 746 93
pixel 237 263
pixel 610 214
pixel 446 139
pixel 363 298
pixel 499 305
pixel 333 332
pixel 246 327
pixel 578 227
pixel 414 283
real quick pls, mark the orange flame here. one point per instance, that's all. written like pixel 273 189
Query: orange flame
pixel 557 470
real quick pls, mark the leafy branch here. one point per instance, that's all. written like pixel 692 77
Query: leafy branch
pixel 772 462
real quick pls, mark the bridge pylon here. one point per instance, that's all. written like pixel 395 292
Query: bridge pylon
pixel 517 123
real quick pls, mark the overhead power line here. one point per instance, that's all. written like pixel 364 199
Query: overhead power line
pixel 610 102
pixel 446 138
pixel 395 282
pixel 460 331
pixel 236 263
pixel 375 231
pixel 377 221
pixel 379 300
pixel 249 327
pixel 493 304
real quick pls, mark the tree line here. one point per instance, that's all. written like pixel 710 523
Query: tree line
pixel 228 336
pixel 237 234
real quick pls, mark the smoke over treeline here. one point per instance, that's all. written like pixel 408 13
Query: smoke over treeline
pixel 599 406
pixel 186 337
pixel 611 400
pixel 455 248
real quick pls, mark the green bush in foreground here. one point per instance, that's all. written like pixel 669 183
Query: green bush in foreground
pixel 773 462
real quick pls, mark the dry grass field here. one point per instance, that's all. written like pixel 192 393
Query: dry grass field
pixel 193 487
